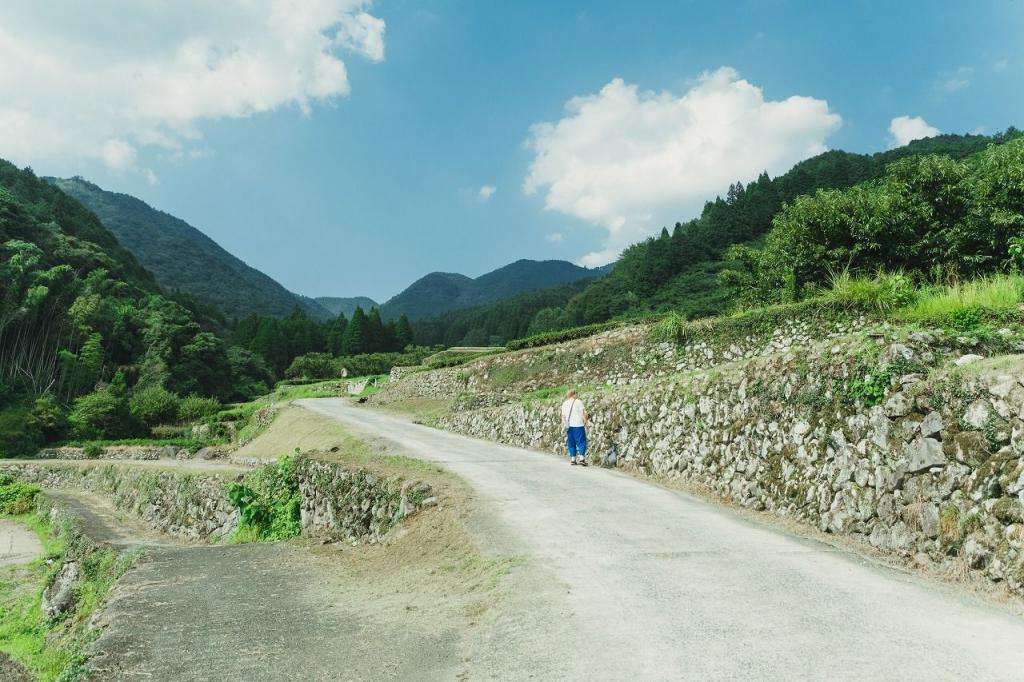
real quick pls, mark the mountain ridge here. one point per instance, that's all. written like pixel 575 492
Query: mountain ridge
pixel 183 258
pixel 440 292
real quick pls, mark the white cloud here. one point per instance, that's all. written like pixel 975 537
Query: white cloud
pixel 486 192
pixel 1000 65
pixel 150 176
pixel 554 238
pixel 905 129
pixel 110 80
pixel 956 80
pixel 630 162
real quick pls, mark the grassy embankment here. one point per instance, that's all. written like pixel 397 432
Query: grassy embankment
pixel 51 649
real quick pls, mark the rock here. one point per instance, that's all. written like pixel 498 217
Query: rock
pixel 968 359
pixel 167 452
pixel 897 406
pixel 970 447
pixel 930 520
pixel 975 553
pixel 1003 386
pixel 897 352
pixel 923 453
pixel 978 413
pixel 60 597
pixel 931 424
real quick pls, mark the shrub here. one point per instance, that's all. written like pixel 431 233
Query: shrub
pixel 154 405
pixel 381 363
pixel 48 417
pixel 669 328
pixel 15 497
pixel 17 436
pixel 268 502
pixel 314 366
pixel 562 335
pixel 92 450
pixel 883 293
pixel 195 408
pixel 103 413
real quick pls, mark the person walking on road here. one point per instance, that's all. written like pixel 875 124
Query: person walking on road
pixel 574 421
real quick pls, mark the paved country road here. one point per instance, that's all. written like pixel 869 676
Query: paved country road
pixel 627 580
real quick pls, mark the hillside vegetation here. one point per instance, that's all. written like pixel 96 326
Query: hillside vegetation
pixel 680 270
pixel 184 259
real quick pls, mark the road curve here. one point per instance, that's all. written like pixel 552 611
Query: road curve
pixel 632 581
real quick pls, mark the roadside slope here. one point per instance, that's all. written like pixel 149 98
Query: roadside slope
pixel 654 584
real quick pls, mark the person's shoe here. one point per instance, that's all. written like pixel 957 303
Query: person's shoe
pixel 572 462
pixel 583 463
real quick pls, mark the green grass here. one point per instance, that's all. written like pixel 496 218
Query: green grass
pixel 546 393
pixel 883 292
pixel 189 443
pixel 964 302
pixel 287 392
pixel 53 651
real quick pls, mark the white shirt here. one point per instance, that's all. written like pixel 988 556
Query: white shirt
pixel 572 412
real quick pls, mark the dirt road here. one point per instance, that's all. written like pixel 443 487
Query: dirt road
pixel 626 580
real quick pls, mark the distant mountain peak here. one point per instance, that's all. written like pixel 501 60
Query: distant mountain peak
pixel 439 292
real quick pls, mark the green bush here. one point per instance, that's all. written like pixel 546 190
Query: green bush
pixel 268 502
pixel 49 418
pixel 154 405
pixel 17 436
pixel 381 363
pixel 196 408
pixel 668 328
pixel 456 359
pixel 562 335
pixel 313 366
pixel 16 498
pixel 92 450
pixel 104 413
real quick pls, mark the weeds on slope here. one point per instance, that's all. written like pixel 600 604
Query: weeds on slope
pixel 53 649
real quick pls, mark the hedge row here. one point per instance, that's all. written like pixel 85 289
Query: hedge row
pixel 547 338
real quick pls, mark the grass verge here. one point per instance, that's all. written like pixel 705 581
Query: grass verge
pixel 53 650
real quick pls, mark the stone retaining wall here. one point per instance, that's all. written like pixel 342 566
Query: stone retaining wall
pixel 880 438
pixel 336 502
pixel 339 503
pixel 187 505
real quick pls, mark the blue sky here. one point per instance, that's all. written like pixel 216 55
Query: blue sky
pixel 363 192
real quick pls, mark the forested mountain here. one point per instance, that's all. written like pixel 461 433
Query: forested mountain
pixel 345 306
pixel 440 292
pixel 184 259
pixel 85 332
pixel 680 268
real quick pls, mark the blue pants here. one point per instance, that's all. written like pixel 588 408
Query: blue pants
pixel 576 440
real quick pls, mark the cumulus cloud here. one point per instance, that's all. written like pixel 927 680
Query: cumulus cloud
pixel 906 129
pixel 109 80
pixel 486 192
pixel 630 161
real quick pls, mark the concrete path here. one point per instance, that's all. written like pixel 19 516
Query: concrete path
pixel 18 544
pixel 626 580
